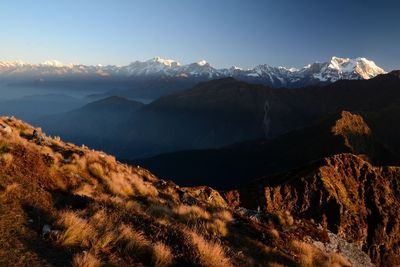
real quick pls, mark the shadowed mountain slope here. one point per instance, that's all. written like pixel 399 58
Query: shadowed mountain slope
pixel 238 164
pixel 227 111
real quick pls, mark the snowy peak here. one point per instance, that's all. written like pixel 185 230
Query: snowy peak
pixel 53 63
pixel 365 68
pixel 345 68
pixel 335 69
pixel 166 62
pixel 202 63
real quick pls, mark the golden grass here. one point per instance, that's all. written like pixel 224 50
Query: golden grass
pixel 285 218
pixel 142 188
pixel 10 189
pixel 118 184
pixel 133 242
pixel 96 169
pixel 77 230
pixel 224 215
pixel 273 233
pixel 217 227
pixel 86 260
pixel 6 159
pixel 162 255
pixel 209 253
pixel 310 256
pixel 125 184
pixel 191 213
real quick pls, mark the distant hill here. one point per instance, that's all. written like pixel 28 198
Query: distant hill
pixel 33 107
pixel 238 164
pixel 97 124
pixel 226 111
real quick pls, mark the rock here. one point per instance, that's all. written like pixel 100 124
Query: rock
pixel 38 137
pixel 354 254
pixel 5 129
pixel 46 229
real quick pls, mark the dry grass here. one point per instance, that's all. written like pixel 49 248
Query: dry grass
pixel 224 215
pixel 77 230
pixel 273 233
pixel 162 255
pixel 191 214
pixel 11 189
pixel 133 242
pixel 96 169
pixel 86 260
pixel 118 184
pixel 142 188
pixel 217 227
pixel 126 185
pixel 209 253
pixel 285 218
pixel 6 159
pixel 310 256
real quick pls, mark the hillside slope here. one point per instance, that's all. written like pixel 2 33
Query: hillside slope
pixel 64 205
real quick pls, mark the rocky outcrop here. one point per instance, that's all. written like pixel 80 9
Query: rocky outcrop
pixel 345 194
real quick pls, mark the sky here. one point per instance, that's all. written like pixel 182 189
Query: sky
pixel 243 33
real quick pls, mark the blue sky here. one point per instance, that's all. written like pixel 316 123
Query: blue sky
pixel 224 32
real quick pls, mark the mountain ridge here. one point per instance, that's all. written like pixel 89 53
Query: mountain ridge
pixel 326 72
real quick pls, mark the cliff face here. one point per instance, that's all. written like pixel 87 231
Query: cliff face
pixel 344 193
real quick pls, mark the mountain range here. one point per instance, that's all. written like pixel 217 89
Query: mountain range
pixel 222 112
pixel 316 73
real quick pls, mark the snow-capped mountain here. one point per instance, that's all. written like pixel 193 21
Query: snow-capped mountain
pixel 325 72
